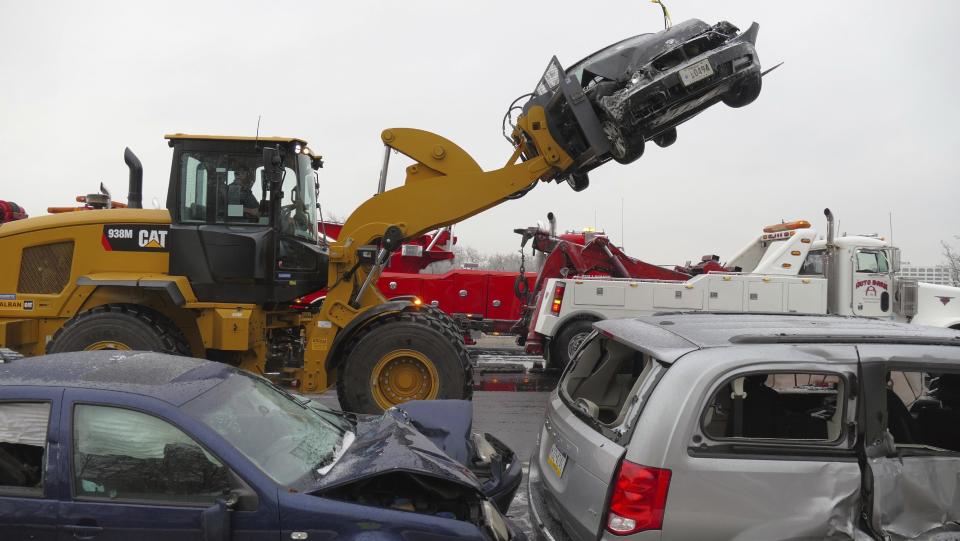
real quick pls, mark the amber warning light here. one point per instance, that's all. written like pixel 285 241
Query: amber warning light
pixel 558 292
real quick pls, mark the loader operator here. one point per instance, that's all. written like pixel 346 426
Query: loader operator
pixel 239 193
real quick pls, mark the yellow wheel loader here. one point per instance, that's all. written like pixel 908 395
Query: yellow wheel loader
pixel 214 274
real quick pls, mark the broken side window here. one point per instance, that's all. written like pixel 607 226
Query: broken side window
pixel 23 441
pixel 604 381
pixel 923 409
pixel 777 406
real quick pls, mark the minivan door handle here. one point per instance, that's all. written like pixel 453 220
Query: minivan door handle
pixel 83 531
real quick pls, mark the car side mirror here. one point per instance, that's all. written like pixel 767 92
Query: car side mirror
pixel 240 497
pixel 215 522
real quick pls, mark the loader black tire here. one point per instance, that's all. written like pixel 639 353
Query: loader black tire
pixel 428 340
pixel 567 341
pixel 120 326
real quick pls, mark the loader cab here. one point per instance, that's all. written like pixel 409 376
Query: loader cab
pixel 244 218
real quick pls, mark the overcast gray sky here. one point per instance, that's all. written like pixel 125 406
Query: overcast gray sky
pixel 863 117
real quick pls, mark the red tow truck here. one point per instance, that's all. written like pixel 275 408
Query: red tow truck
pixel 503 302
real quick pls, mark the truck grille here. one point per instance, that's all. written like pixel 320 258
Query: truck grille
pixel 46 268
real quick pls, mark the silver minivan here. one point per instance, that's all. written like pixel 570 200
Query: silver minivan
pixel 750 426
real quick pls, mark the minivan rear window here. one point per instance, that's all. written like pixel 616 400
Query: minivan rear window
pixel 604 380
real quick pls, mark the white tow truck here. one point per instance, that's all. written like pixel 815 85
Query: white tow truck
pixel 786 269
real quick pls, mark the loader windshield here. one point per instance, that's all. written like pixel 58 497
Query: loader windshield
pixel 298 215
pixel 228 188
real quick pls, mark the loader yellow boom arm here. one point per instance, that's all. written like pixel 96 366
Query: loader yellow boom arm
pixel 444 186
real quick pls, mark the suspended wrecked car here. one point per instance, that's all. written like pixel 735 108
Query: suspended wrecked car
pixel 608 105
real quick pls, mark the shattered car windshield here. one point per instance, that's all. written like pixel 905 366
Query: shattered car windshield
pixel 577 69
pixel 281 435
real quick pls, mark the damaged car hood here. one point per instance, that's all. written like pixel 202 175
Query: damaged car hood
pixel 637 51
pixel 390 444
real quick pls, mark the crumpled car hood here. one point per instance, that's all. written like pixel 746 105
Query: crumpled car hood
pixel 621 65
pixel 636 52
pixel 388 444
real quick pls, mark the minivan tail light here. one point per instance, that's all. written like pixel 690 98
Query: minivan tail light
pixel 558 291
pixel 638 500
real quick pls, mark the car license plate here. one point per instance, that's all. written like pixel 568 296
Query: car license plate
pixel 697 72
pixel 556 460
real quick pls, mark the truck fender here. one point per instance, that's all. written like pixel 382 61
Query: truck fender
pixel 580 314
pixel 394 305
pixel 167 287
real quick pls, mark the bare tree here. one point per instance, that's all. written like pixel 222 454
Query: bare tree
pixel 503 262
pixel 469 255
pixel 952 260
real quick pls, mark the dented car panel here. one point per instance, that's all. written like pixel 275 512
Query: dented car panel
pixel 916 497
pixel 914 472
pixel 390 443
pixel 449 425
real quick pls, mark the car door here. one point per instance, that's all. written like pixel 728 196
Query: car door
pixel 766 446
pixel 130 472
pixel 913 458
pixel 29 424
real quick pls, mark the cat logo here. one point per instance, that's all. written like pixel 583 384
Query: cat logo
pixel 135 238
pixel 152 238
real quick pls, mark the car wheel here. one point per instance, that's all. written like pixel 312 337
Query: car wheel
pixel 403 357
pixel 744 93
pixel 119 327
pixel 624 149
pixel 578 181
pixel 567 341
pixel 666 138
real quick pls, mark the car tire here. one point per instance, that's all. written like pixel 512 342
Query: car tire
pixel 578 181
pixel 624 149
pixel 567 341
pixel 120 327
pixel 667 138
pixel 427 345
pixel 744 93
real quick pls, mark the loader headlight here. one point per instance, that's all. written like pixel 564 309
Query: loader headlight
pixel 636 78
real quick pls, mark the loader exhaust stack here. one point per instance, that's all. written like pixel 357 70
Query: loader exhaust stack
pixel 135 191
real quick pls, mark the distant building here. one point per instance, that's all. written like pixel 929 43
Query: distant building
pixel 933 274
